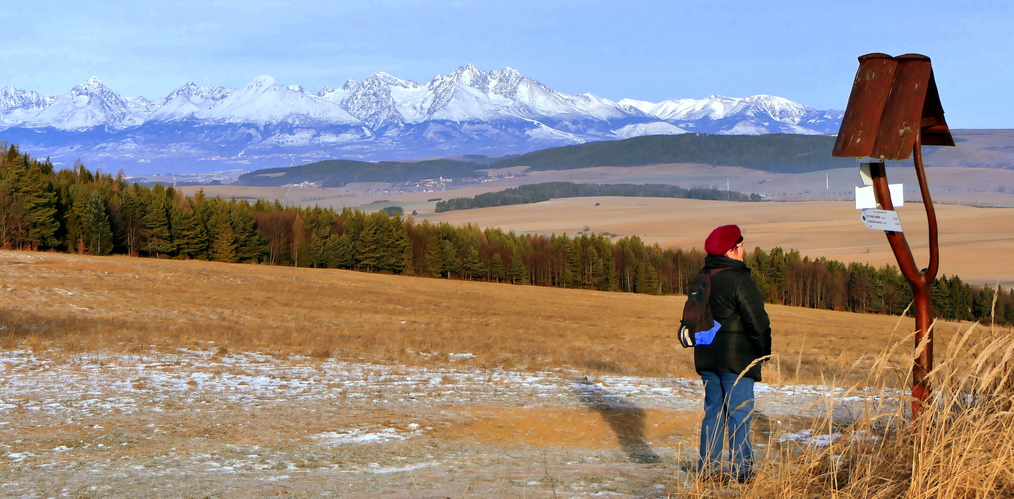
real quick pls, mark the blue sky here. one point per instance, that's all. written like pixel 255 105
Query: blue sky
pixel 649 50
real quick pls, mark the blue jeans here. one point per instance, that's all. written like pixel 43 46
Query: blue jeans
pixel 728 407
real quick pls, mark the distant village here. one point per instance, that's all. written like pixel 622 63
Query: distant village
pixel 221 178
pixel 422 185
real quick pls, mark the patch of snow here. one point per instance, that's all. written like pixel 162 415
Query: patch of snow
pixel 654 128
pixel 357 436
pixel 745 127
pixel 544 132
pixel 379 470
pixel 19 456
pixel 808 438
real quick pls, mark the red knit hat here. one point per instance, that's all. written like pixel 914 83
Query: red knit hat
pixel 723 239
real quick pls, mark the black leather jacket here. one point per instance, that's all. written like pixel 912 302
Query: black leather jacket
pixel 738 306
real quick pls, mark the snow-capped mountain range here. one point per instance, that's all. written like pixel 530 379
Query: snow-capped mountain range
pixel 267 123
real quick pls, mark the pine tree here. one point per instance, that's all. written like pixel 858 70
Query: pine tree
pixel 71 205
pixel 1007 309
pixel 645 278
pixel 250 243
pixel 941 297
pixel 369 252
pixel 575 265
pixel 607 280
pixel 759 264
pixel 497 270
pixel 449 258
pixel 961 299
pixel 339 252
pixel 518 270
pixel 96 233
pixel 864 293
pixel 157 238
pixel 11 222
pixel 29 219
pixel 982 306
pixel 396 243
pixel 778 275
pixel 434 256
pixel 316 248
pixel 407 261
pixel 128 219
pixel 189 235
pixel 206 209
pixel 651 280
pixel 223 246
pixel 473 266
pixel 592 269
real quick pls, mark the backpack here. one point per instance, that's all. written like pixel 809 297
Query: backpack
pixel 698 327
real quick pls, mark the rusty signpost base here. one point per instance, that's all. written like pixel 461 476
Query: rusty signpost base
pixel 923 347
pixel 919 280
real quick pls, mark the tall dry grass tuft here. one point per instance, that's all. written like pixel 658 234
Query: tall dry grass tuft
pixel 864 444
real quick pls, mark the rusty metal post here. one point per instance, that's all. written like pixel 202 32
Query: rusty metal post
pixel 919 280
pixel 893 110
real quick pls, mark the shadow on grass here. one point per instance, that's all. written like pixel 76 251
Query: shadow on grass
pixel 626 419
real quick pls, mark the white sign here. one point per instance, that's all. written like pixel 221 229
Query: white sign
pixel 882 220
pixel 865 169
pixel 864 173
pixel 865 198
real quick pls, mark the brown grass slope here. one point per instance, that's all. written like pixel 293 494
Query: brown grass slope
pixel 81 303
pixel 65 305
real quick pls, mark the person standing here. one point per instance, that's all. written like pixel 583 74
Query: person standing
pixel 731 364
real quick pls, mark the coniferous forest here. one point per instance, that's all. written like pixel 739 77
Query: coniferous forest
pixel 80 211
pixel 535 193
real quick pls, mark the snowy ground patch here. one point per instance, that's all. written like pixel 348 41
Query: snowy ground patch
pixel 357 436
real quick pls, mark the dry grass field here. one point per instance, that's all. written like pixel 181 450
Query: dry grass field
pixel 975 243
pixel 127 377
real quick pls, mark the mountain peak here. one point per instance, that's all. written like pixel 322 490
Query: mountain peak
pixel 469 76
pixel 509 72
pixel 262 81
pixel 91 86
pixel 193 93
pixel 468 110
pixel 467 71
pixel 12 99
pixel 383 78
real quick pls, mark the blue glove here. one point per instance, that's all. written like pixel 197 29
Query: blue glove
pixel 706 337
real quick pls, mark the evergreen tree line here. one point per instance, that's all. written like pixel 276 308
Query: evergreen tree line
pixel 79 211
pixel 535 193
pixel 780 153
pixel 338 172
